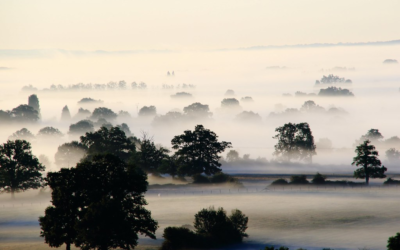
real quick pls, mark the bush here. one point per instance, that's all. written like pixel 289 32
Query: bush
pixel 391 181
pixel 318 179
pixel 179 237
pixel 279 182
pixel 200 179
pixel 298 179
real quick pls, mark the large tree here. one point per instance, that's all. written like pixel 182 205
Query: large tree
pixel 58 224
pixel 24 113
pixel 295 141
pixel 198 151
pixel 19 169
pixel 106 207
pixel 367 158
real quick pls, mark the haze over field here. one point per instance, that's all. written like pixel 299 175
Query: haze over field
pixel 273 57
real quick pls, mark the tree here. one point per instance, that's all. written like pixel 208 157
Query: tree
pixel 99 204
pixel 24 113
pixel 113 204
pixel 49 132
pixel 394 242
pixel 65 114
pixel 105 113
pixel 108 141
pixel 22 134
pixel 147 111
pixel 232 156
pixel 81 127
pixel 248 117
pixel 82 114
pixel 295 141
pixel 310 106
pixel 150 158
pixel 367 158
pixel 197 110
pixel 19 169
pixel 373 135
pixel 58 224
pixel 70 153
pixel 220 229
pixel 318 179
pixel 393 155
pixel 33 101
pixel 230 103
pixel 198 151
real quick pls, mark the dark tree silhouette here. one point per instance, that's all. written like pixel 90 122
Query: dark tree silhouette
pixel 88 100
pixel 182 95
pixel 22 134
pixel 113 204
pixel 394 242
pixel 24 113
pixel 108 141
pixel 147 111
pixel 150 158
pixel 81 127
pixel 102 112
pixel 333 91
pixel 70 153
pixel 318 179
pixel 220 229
pixel 19 169
pixel 295 141
pixel 99 204
pixel 367 158
pixel 198 151
pixel 65 114
pixel 58 224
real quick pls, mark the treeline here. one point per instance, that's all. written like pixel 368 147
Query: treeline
pixel 120 85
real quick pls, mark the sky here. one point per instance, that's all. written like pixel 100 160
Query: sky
pixel 192 25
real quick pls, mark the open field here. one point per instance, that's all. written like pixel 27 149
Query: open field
pixel 308 217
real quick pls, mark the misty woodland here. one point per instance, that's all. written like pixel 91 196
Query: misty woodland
pixel 194 125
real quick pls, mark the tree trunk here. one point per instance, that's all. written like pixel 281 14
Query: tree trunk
pixel 366 176
pixel 68 246
pixel 12 194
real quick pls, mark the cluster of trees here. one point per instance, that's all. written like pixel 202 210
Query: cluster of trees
pixel 213 228
pixel 179 86
pixel 332 79
pixel 308 107
pixel 182 95
pixel 24 113
pixel 334 91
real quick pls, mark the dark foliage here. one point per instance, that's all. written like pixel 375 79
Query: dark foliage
pixel 19 169
pixel 333 91
pixel 33 101
pixel 197 151
pixel 88 100
pixel 108 141
pixel 394 242
pixel 49 132
pixel 295 141
pixel 367 158
pixel 24 113
pixel 391 181
pixel 102 205
pixel 197 110
pixel 150 158
pixel 318 179
pixel 298 180
pixel 183 95
pixel 279 182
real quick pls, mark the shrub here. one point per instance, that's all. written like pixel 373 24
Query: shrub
pixel 298 179
pixel 318 179
pixel 279 182
pixel 394 242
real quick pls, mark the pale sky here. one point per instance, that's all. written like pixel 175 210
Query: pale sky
pixel 192 25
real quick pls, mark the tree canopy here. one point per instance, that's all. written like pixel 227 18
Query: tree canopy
pixel 198 150
pixel 19 169
pixel 295 141
pixel 70 153
pixel 367 158
pixel 99 204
